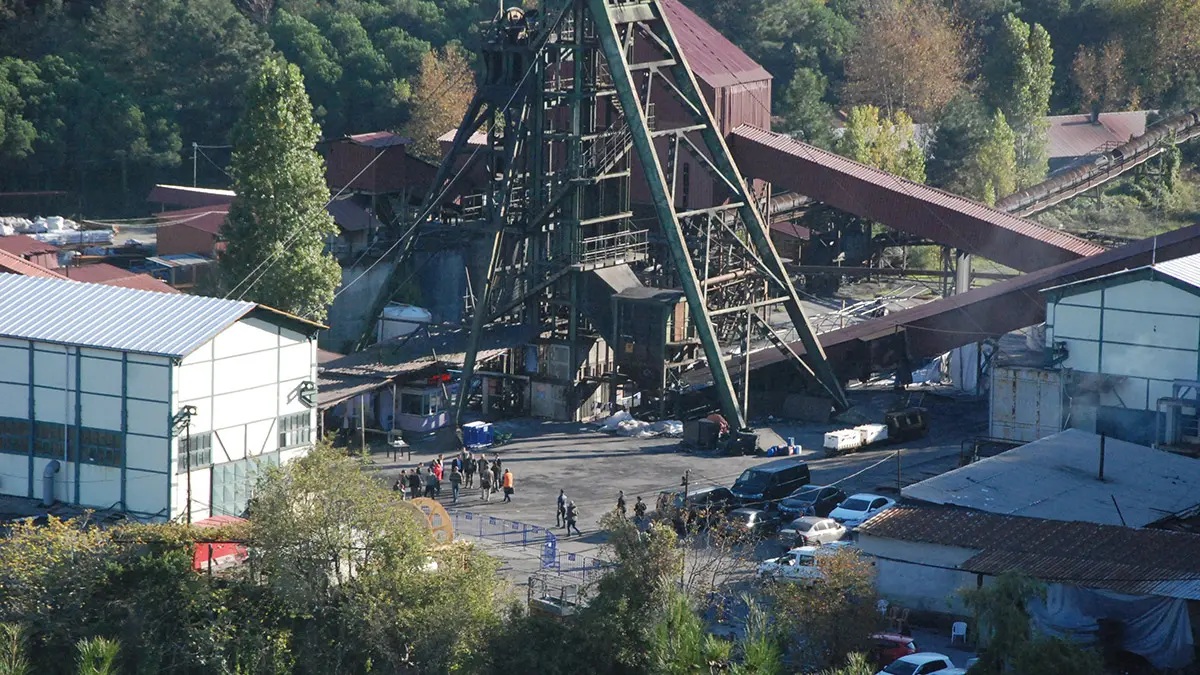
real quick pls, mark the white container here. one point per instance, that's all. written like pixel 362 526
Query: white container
pixel 872 433
pixel 399 319
pixel 843 439
pixel 1027 403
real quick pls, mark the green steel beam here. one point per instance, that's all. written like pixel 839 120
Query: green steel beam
pixel 664 207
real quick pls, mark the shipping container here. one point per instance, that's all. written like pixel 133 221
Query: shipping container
pixel 1027 403
pixel 843 440
pixel 872 433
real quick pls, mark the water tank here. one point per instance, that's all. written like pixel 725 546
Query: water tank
pixel 399 319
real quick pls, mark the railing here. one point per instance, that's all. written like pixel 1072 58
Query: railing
pixel 503 531
pixel 616 246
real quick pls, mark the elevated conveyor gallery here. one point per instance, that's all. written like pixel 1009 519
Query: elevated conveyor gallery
pixel 901 204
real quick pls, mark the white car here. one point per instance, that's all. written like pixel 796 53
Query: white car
pixel 812 531
pixel 921 663
pixel 858 508
pixel 798 564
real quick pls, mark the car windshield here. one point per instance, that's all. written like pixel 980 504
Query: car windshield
pixel 752 481
pixel 900 668
pixel 856 504
pixel 805 494
pixel 802 526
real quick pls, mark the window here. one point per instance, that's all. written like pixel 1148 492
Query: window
pixel 233 483
pixel 14 435
pixel 100 446
pixel 201 451
pixel 48 439
pixel 419 403
pixel 686 188
pixel 295 430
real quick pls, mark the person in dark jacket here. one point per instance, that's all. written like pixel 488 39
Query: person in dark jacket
pixel 455 482
pixel 414 484
pixel 469 468
pixel 621 503
pixel 485 485
pixel 496 473
pixel 560 516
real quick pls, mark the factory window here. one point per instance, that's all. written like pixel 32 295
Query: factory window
pixel 100 446
pixel 233 483
pixel 295 430
pixel 685 189
pixel 14 435
pixel 48 440
pixel 420 403
pixel 201 445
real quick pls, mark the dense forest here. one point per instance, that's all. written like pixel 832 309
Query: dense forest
pixel 104 98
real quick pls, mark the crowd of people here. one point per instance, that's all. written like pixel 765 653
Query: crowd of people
pixel 462 472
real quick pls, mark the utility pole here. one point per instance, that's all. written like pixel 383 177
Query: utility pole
pixel 195 152
pixel 686 478
pixel 897 472
pixel 184 419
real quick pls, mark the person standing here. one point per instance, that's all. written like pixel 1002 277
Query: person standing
pixel 455 482
pixel 496 474
pixel 414 484
pixel 507 481
pixel 430 482
pixel 572 516
pixel 485 485
pixel 560 515
pixel 396 487
pixel 621 502
pixel 481 465
pixel 469 468
pixel 639 509
pixel 438 467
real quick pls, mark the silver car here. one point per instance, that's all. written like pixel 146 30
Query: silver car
pixel 812 531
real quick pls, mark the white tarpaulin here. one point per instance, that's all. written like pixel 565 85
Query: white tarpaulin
pixel 1154 627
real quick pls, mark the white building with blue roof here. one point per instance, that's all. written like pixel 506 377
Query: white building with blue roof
pixel 109 395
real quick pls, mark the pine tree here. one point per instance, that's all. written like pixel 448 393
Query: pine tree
pixel 277 225
pixel 1020 77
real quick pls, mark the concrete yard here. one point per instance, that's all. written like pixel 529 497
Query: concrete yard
pixel 592 466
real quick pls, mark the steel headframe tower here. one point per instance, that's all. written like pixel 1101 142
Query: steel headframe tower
pixel 565 101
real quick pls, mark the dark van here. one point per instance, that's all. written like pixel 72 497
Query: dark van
pixel 770 482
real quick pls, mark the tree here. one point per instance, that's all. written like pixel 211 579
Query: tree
pixel 1175 67
pixel 17 132
pixel 832 618
pixel 805 112
pixel 993 168
pixel 909 56
pixel 1020 77
pixel 277 224
pixel 856 664
pixel 889 144
pixel 97 656
pixel 13 660
pixel 680 645
pixel 1100 75
pixel 441 96
pixel 962 128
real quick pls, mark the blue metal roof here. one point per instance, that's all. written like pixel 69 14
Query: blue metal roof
pixel 1185 269
pixel 110 317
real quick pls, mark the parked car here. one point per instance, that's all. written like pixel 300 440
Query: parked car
pixel 888 647
pixel 921 663
pixel 746 522
pixel 812 500
pixel 951 671
pixel 769 482
pixel 857 509
pixel 812 531
pixel 701 508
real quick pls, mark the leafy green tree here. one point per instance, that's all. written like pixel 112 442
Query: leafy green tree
pixel 1058 656
pixel 441 96
pixel 17 131
pixel 1020 77
pixel 856 664
pixel 680 645
pixel 1002 618
pixel 805 112
pixel 993 169
pixel 871 138
pixel 13 660
pixel 97 656
pixel 961 129
pixel 301 43
pixel 278 224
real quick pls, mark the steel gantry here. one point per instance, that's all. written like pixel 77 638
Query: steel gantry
pixel 565 103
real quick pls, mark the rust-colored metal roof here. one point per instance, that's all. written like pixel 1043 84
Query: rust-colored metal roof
pixel 713 58
pixel 206 218
pixel 97 273
pixel 15 264
pixel 1167 563
pixel 1078 136
pixel 23 245
pixel 902 204
pixel 142 282
pixel 189 197
pixel 791 229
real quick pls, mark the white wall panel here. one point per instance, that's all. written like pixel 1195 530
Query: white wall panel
pixel 1160 330
pixel 261 437
pixel 1139 361
pixel 288 337
pixel 201 493
pixel 148 418
pixel 147 381
pixel 14 400
pixel 1076 322
pixel 1089 299
pixel 236 373
pixel 1129 393
pixel 14 474
pixel 296 362
pixel 203 353
pixel 100 376
pixel 244 337
pixel 143 452
pixel 290 455
pixel 1151 296
pixel 14 364
pixel 194 381
pixel 1084 356
pixel 145 492
pixel 229 444
pixel 245 406
pixel 49 405
pixel 64 490
pixel 11 342
pixel 100 486
pixel 101 412
pixel 289 401
pixel 51 367
pixel 202 419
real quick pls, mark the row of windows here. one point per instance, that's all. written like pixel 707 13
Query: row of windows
pixel 294 430
pixel 95 446
pixel 201 451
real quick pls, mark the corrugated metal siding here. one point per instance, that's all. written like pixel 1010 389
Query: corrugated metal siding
pixel 712 57
pixel 1076 136
pixel 1186 269
pixel 904 205
pixel 108 317
pixel 1026 403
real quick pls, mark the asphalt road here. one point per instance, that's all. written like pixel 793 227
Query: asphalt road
pixel 592 466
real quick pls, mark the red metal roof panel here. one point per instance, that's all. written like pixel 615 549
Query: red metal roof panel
pixel 713 58
pixel 379 139
pixel 23 245
pixel 15 264
pixel 1077 136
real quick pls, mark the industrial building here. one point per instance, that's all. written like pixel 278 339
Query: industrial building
pixel 135 401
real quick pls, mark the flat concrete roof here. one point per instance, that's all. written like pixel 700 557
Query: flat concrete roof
pixel 1057 478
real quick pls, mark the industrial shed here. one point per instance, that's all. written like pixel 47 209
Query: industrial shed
pixel 97 383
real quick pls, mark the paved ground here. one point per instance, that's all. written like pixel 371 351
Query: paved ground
pixel 592 466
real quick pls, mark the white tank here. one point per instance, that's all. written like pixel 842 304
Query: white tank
pixel 399 319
